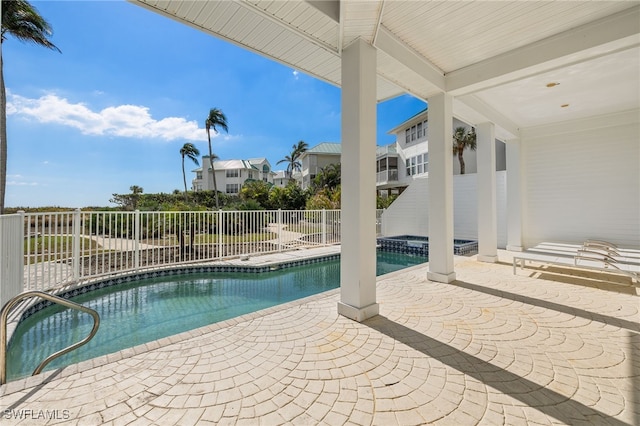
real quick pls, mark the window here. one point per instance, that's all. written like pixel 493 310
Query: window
pixel 232 188
pixel 413 133
pixel 232 173
pixel 198 175
pixel 250 174
pixel 419 130
pixel 417 164
pixel 407 136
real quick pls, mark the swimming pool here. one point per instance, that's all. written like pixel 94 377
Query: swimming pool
pixel 147 310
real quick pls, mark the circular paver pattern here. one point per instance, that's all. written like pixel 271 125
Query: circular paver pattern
pixel 489 348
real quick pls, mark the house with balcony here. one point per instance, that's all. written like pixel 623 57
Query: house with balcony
pixel 399 163
pixel 231 174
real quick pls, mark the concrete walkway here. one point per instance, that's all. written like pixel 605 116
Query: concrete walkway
pixel 491 348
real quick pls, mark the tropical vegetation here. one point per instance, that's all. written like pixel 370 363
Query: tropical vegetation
pixel 463 139
pixel 21 20
pixel 293 159
pixel 216 119
pixel 189 151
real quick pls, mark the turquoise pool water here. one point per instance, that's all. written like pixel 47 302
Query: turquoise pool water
pixel 140 312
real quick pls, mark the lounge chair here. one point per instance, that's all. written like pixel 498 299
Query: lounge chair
pixel 592 254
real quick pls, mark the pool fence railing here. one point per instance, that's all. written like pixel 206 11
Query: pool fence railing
pixel 44 251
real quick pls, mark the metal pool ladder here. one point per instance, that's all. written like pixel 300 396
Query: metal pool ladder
pixel 4 314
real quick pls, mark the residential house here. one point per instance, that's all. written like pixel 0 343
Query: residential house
pixel 281 178
pixel 232 174
pixel 315 158
pixel 400 162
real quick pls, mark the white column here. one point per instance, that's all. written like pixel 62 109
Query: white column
pixel 487 213
pixel 440 203
pixel 358 217
pixel 514 195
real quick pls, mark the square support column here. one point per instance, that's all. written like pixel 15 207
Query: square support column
pixel 514 195
pixel 487 213
pixel 358 254
pixel 440 203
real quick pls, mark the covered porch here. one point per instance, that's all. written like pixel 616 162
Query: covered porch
pixel 558 81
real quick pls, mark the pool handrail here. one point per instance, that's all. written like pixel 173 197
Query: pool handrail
pixel 13 302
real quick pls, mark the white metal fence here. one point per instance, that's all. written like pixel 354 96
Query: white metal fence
pixel 64 248
pixel 41 251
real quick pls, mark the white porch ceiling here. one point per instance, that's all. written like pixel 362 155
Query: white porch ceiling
pixel 495 57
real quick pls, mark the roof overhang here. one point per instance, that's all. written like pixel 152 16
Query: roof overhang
pixel 496 58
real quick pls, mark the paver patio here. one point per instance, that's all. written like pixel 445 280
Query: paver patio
pixel 490 348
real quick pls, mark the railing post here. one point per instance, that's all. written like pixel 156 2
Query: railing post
pixel 24 233
pixel 75 252
pixel 279 228
pixel 324 227
pixel 136 244
pixel 220 233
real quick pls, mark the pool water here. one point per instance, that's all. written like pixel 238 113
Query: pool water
pixel 140 312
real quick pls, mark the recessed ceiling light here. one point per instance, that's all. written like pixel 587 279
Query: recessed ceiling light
pixel 564 105
pixel 552 84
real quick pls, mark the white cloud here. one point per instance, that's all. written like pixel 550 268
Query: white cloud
pixel 295 74
pixel 18 180
pixel 132 121
pixel 16 183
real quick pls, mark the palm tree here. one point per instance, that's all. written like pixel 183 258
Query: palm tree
pixel 190 151
pixel 292 159
pixel 329 177
pixel 215 119
pixel 135 195
pixel 463 139
pixel 22 21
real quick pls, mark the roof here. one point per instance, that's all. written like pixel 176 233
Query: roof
pixel 325 148
pixel 332 148
pixel 421 116
pixel 259 160
pixel 386 149
pixel 229 164
pixel 495 58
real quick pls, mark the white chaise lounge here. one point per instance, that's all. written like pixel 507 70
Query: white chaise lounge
pixel 592 254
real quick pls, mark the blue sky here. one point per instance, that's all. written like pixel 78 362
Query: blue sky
pixel 131 87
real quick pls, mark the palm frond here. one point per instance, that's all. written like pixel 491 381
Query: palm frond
pixel 22 20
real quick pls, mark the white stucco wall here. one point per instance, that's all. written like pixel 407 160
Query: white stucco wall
pixel 408 215
pixel 582 180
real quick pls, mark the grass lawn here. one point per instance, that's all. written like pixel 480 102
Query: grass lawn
pixel 55 247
